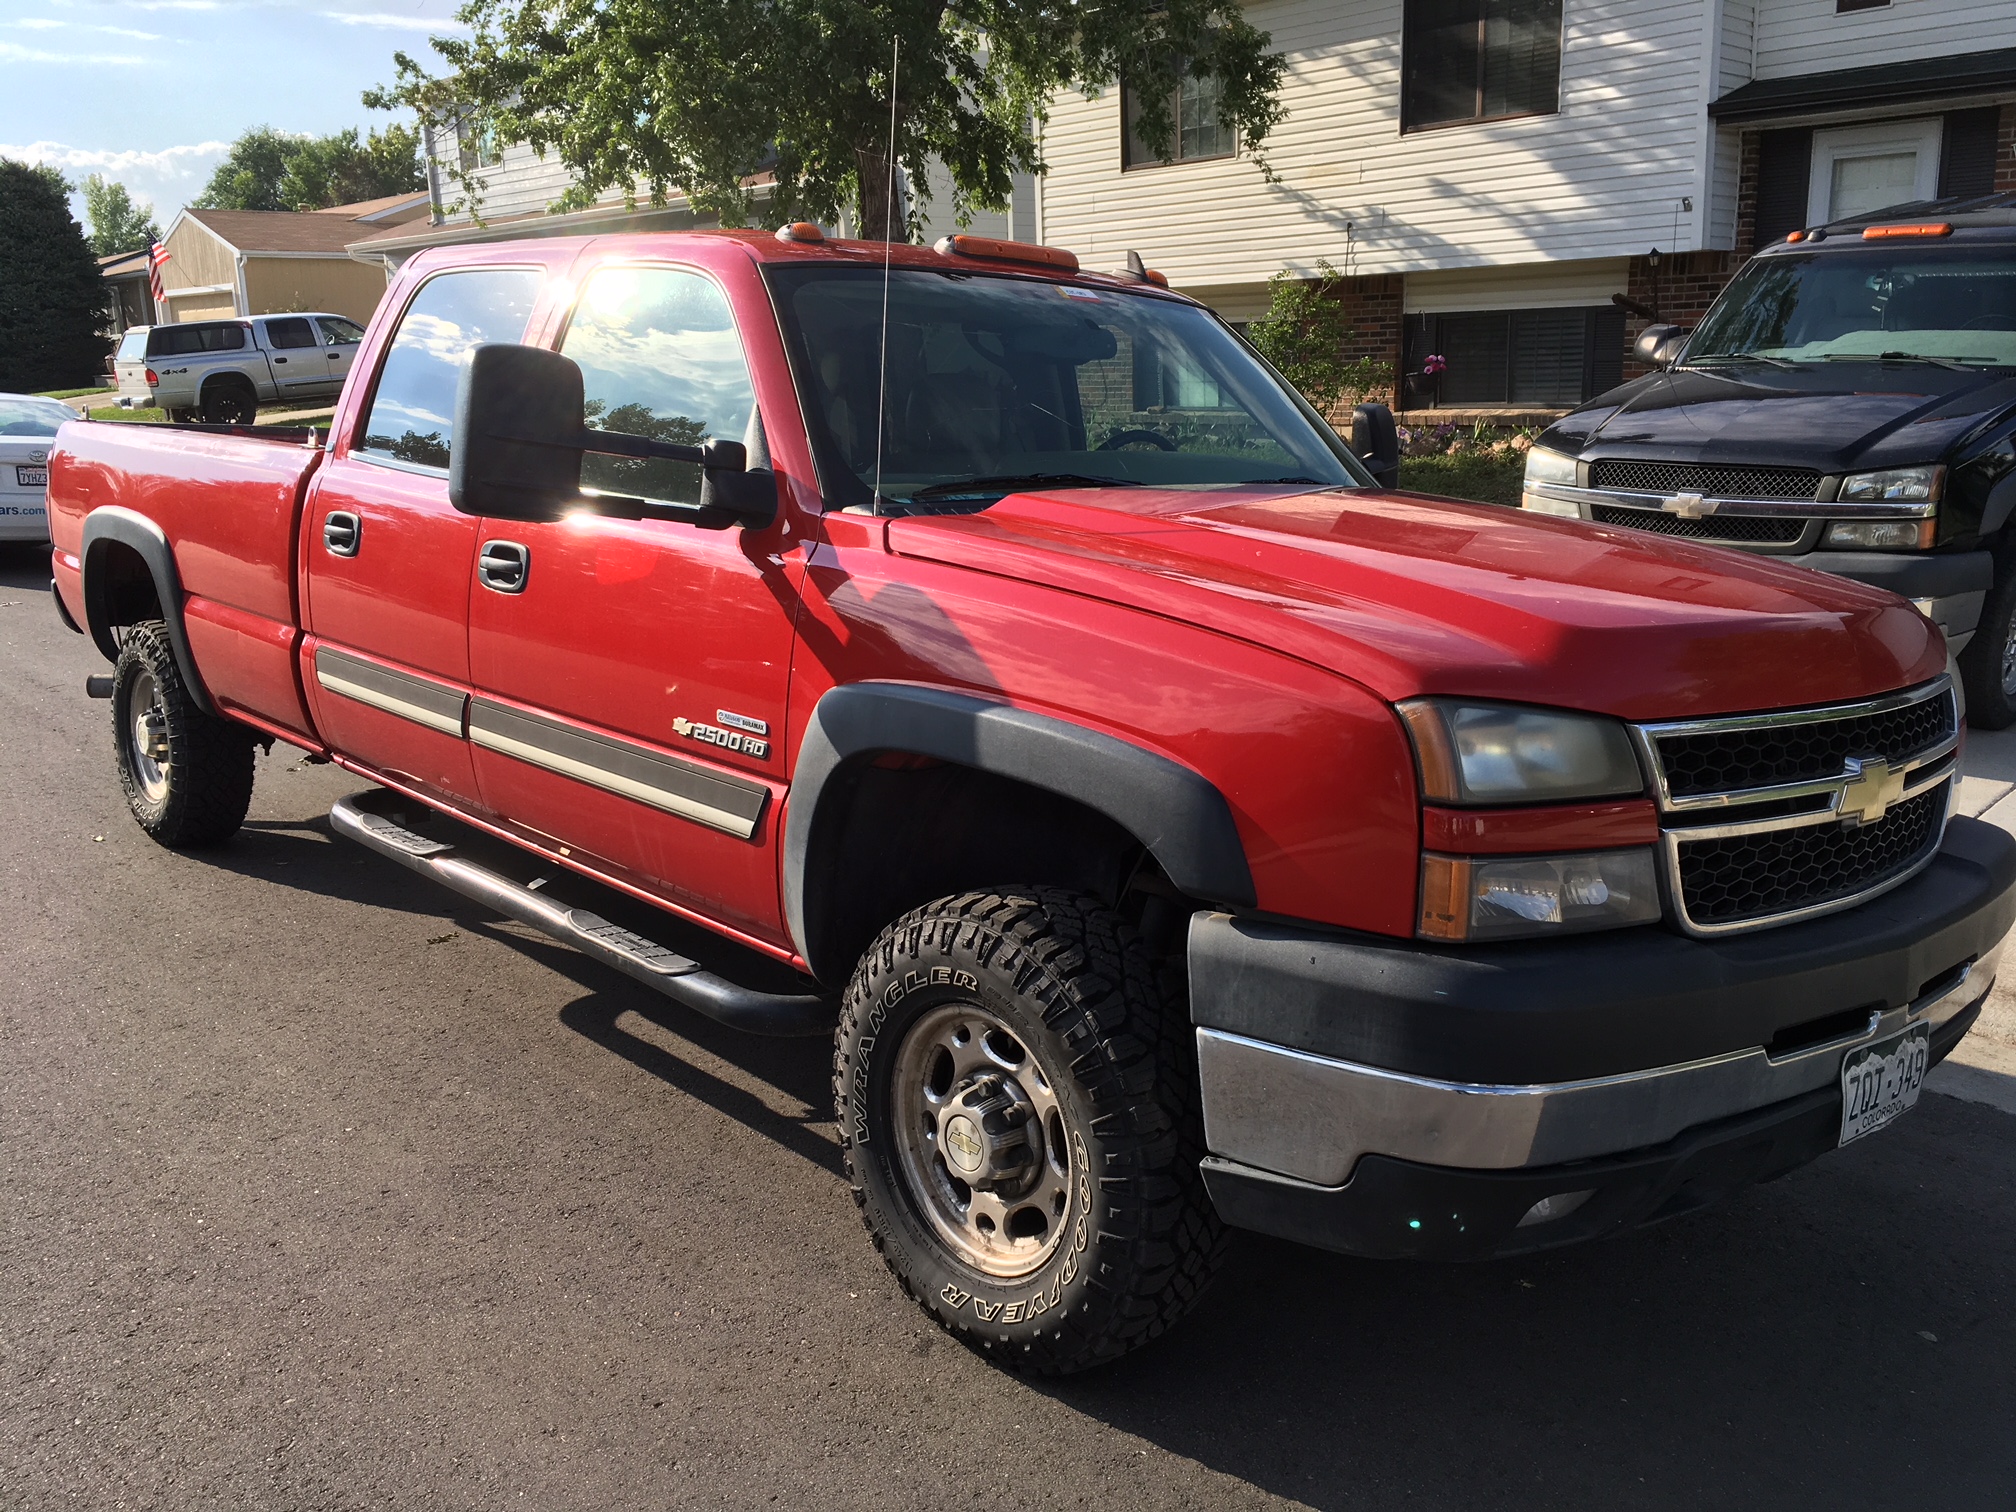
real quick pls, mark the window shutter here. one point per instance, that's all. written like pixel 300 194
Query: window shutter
pixel 1478 350
pixel 1784 169
pixel 1967 153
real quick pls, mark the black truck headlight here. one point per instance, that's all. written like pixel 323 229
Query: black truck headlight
pixel 1488 753
pixel 1893 485
pixel 1499 898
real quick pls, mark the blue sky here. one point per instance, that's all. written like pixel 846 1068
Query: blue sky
pixel 150 92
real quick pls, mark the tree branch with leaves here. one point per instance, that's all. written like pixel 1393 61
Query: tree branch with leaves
pixel 781 110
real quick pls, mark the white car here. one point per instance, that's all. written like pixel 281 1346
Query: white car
pixel 27 432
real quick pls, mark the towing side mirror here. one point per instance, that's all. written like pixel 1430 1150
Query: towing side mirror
pixel 1658 346
pixel 520 433
pixel 1376 440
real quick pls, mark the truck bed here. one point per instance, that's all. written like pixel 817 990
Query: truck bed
pixel 229 501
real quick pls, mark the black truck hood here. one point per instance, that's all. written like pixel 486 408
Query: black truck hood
pixel 1836 416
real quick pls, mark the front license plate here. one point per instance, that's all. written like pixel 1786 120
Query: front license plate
pixel 31 477
pixel 1882 1082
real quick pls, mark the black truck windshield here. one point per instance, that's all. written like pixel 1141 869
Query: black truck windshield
pixel 998 383
pixel 1930 302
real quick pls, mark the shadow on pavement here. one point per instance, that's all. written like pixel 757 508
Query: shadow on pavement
pixel 1841 1338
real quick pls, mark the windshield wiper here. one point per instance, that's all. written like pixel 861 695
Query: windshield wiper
pixel 1009 483
pixel 1708 357
pixel 1945 362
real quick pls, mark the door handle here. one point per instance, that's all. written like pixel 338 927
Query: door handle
pixel 279 359
pixel 335 356
pixel 503 566
pixel 342 533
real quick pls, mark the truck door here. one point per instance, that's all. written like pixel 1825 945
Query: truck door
pixel 630 676
pixel 294 354
pixel 340 341
pixel 389 559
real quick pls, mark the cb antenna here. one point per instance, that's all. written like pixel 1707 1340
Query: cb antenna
pixel 888 249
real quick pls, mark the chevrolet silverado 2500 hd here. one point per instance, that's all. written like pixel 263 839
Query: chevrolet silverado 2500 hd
pixel 1173 829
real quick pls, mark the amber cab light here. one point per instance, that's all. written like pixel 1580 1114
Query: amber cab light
pixel 1925 228
pixel 1795 236
pixel 800 231
pixel 1007 251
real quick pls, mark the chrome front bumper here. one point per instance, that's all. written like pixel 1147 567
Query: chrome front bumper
pixel 1311 1117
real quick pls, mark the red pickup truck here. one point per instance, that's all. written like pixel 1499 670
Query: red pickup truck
pixel 1176 829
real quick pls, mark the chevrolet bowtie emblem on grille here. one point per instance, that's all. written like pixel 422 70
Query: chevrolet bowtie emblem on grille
pixel 1689 506
pixel 1869 791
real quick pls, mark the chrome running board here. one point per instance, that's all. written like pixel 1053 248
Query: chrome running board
pixel 662 970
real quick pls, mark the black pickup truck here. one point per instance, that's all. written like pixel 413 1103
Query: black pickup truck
pixel 1848 404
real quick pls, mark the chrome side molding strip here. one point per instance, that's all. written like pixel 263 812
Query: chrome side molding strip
pixel 425 702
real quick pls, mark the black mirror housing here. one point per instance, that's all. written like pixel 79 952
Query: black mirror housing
pixel 1658 345
pixel 1376 440
pixel 520 433
pixel 519 415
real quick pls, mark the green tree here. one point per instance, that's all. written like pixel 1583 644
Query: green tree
pixel 1306 333
pixel 51 300
pixel 275 170
pixel 117 224
pixel 696 97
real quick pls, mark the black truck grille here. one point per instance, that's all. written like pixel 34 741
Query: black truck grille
pixel 1758 876
pixel 1757 756
pixel 1753 530
pixel 1715 482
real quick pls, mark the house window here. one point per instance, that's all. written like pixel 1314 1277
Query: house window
pixel 1549 359
pixel 477 146
pixel 1859 169
pixel 1479 60
pixel 1844 7
pixel 1193 107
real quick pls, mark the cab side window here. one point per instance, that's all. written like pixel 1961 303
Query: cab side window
pixel 412 415
pixel 659 357
pixel 339 332
pixel 290 332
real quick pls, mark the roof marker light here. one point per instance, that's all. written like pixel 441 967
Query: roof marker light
pixel 800 231
pixel 1007 251
pixel 1795 236
pixel 1926 228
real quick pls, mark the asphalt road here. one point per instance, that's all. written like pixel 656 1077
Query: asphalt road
pixel 320 1189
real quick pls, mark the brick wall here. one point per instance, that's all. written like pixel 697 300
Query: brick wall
pixel 1681 288
pixel 1746 194
pixel 1374 304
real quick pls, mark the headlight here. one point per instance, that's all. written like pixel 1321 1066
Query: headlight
pixel 1893 485
pixel 1882 535
pixel 1505 753
pixel 1543 466
pixel 1464 898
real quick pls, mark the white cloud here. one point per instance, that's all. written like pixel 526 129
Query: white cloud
pixel 14 52
pixel 185 5
pixel 390 22
pixel 45 23
pixel 169 162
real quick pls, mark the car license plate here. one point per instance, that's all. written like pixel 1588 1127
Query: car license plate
pixel 31 477
pixel 1882 1082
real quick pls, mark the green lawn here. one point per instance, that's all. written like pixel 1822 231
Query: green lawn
pixel 113 412
pixel 71 393
pixel 1466 475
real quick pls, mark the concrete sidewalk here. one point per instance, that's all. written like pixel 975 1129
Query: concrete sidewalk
pixel 1983 1068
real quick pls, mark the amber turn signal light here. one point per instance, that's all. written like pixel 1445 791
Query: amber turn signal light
pixel 1007 251
pixel 1926 228
pixel 800 231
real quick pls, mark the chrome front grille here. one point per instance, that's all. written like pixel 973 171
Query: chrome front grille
pixel 1768 818
pixel 1710 480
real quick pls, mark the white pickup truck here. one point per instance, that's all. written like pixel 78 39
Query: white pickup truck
pixel 223 370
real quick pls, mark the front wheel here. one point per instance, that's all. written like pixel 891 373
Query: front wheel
pixel 187 775
pixel 1017 1100
pixel 1988 665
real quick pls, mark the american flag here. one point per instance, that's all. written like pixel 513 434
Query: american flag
pixel 157 257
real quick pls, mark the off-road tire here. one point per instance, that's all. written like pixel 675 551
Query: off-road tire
pixel 230 404
pixel 1991 705
pixel 199 795
pixel 1108 1027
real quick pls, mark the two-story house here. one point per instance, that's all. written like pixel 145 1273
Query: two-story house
pixel 1493 174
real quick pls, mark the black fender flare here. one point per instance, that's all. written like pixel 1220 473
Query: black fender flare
pixel 112 524
pixel 1176 813
pixel 2000 504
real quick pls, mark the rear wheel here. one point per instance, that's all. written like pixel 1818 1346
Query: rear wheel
pixel 229 404
pixel 1017 1100
pixel 187 775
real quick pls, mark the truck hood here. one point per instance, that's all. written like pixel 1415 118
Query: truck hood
pixel 1835 417
pixel 1407 594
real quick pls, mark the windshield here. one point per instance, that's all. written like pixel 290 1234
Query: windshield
pixel 32 417
pixel 1950 304
pixel 996 383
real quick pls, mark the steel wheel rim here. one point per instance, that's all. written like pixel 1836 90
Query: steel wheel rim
pixel 961 1064
pixel 146 733
pixel 2009 661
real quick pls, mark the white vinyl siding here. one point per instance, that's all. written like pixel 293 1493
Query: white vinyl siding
pixel 1604 177
pixel 1545 286
pixel 1738 50
pixel 1808 36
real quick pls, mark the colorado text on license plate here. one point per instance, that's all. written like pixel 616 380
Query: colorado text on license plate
pixel 1879 1083
pixel 31 477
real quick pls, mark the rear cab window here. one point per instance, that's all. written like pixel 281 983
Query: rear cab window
pixel 411 421
pixel 659 357
pixel 132 347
